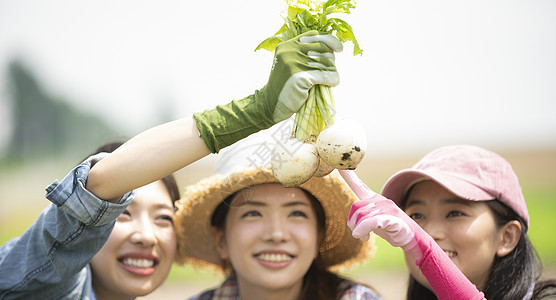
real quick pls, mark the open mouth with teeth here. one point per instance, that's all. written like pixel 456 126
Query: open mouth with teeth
pixel 274 257
pixel 138 263
pixel 451 254
pixel 138 266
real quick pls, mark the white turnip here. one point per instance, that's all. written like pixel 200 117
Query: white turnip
pixel 294 167
pixel 323 169
pixel 294 162
pixel 342 145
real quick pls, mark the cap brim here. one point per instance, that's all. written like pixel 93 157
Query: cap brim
pixel 398 185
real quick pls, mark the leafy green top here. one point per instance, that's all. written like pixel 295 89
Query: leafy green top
pixel 306 15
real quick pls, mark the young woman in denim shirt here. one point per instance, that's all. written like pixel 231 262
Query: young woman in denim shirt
pixel 139 252
pixel 52 259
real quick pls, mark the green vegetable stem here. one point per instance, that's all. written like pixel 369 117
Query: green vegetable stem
pixel 304 15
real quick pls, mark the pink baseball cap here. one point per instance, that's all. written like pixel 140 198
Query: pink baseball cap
pixel 469 172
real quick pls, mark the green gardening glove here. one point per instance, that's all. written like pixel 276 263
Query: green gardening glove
pixel 299 64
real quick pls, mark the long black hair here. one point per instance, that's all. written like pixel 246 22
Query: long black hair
pixel 510 277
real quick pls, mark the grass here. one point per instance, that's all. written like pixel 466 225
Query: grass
pixel 22 199
pixel 542 209
pixel 541 205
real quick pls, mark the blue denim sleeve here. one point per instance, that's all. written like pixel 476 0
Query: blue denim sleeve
pixel 49 260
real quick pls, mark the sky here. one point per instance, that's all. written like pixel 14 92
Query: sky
pixel 432 72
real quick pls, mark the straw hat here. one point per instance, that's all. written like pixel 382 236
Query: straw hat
pixel 243 165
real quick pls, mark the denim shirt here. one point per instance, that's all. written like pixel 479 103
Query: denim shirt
pixel 50 260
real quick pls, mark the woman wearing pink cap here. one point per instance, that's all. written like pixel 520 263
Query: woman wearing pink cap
pixel 469 201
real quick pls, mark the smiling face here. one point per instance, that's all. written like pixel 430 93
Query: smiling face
pixel 271 239
pixel 465 230
pixel 139 253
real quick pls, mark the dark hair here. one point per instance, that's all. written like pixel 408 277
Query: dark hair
pixel 505 280
pixel 318 282
pixel 510 276
pixel 169 181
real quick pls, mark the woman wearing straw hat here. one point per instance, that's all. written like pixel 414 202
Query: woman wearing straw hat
pixel 272 242
pixel 469 202
pixel 51 260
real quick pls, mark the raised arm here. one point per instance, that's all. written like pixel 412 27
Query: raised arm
pixel 48 259
pixel 298 65
pixel 375 213
pixel 148 156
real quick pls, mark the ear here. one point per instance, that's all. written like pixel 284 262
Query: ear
pixel 220 242
pixel 510 234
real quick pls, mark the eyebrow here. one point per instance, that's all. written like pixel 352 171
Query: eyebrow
pixel 458 201
pixel 295 203
pixel 287 204
pixel 155 207
pixel 164 206
pixel 411 202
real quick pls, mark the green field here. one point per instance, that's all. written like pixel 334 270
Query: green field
pixel 542 208
pixel 22 199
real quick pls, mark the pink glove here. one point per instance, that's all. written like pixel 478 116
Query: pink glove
pixel 375 213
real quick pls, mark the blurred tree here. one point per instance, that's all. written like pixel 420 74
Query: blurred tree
pixel 45 125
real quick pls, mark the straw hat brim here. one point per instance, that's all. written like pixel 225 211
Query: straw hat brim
pixel 338 251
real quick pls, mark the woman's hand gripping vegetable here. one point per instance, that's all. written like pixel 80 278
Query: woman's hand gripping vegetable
pixel 375 213
pixel 299 64
pixel 318 144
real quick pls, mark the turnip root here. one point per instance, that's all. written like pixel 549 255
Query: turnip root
pixel 294 162
pixel 323 169
pixel 342 145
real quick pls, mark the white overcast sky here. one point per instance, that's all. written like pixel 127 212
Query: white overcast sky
pixel 432 73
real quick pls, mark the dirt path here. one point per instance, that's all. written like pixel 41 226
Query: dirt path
pixel 391 285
